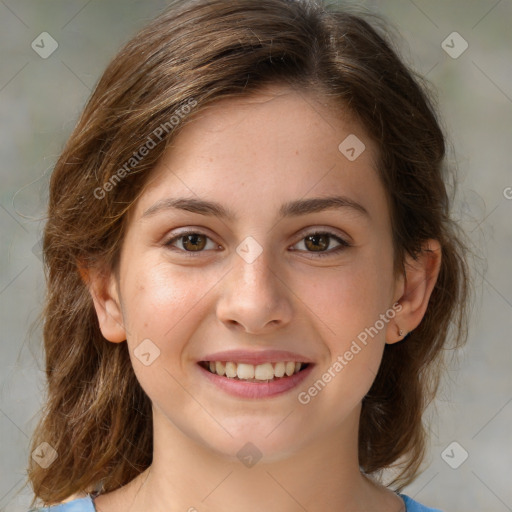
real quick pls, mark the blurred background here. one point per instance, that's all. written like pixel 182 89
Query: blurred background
pixel 52 54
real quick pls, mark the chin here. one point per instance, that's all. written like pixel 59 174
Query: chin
pixel 266 443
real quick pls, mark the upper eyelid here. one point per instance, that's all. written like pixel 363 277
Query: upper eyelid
pixel 302 234
pixel 330 231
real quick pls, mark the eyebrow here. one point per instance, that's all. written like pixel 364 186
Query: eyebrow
pixel 290 209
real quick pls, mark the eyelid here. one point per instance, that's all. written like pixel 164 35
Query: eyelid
pixel 319 229
pixel 187 231
pixel 343 243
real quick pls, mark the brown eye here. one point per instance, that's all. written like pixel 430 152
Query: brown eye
pixel 194 242
pixel 318 244
pixel 318 241
pixel 190 242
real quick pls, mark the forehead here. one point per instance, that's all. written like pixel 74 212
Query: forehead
pixel 266 149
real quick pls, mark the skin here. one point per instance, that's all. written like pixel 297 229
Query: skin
pixel 252 155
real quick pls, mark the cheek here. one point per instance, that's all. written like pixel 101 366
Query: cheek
pixel 161 302
pixel 348 303
pixel 158 298
pixel 349 298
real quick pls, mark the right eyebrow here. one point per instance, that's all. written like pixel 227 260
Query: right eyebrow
pixel 190 204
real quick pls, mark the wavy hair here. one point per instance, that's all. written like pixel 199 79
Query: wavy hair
pixel 96 415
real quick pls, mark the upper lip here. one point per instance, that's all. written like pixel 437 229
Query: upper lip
pixel 257 357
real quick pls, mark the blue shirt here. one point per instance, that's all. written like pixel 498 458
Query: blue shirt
pixel 86 505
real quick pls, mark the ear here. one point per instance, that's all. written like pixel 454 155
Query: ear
pixel 414 289
pixel 104 291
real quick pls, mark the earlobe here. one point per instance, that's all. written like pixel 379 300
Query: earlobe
pixel 417 285
pixel 105 295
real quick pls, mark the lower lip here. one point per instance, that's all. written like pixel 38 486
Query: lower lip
pixel 243 389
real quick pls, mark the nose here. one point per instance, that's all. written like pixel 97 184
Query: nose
pixel 254 296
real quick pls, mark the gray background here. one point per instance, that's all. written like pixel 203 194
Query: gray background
pixel 40 100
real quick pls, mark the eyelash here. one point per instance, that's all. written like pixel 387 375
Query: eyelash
pixel 343 243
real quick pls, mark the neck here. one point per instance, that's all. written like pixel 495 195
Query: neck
pixel 321 476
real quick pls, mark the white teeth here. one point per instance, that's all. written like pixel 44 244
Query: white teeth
pixel 230 370
pixel 264 371
pixel 220 368
pixel 245 371
pixel 261 372
pixel 279 369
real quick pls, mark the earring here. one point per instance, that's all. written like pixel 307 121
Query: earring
pixel 402 333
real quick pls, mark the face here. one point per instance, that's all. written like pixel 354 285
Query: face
pixel 235 246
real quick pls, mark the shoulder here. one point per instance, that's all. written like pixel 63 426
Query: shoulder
pixel 414 506
pixel 75 503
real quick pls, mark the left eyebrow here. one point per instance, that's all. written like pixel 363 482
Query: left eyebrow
pixel 290 209
pixel 318 204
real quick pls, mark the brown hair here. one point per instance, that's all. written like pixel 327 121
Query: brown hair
pixel 96 415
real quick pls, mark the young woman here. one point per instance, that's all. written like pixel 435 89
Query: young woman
pixel 251 268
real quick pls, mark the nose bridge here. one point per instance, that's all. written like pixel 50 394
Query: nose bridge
pixel 253 270
pixel 254 295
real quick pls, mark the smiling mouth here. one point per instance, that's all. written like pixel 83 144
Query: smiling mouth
pixel 265 372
